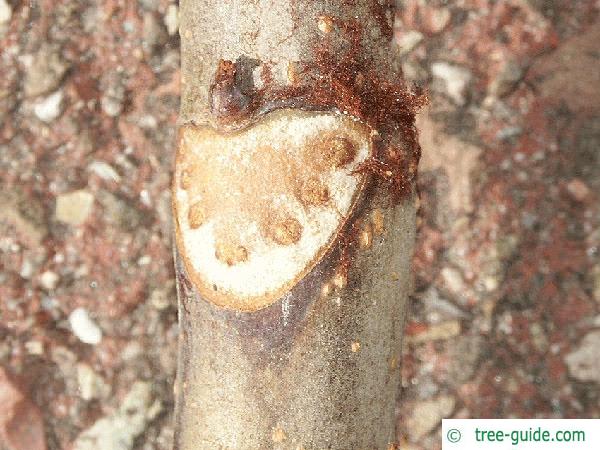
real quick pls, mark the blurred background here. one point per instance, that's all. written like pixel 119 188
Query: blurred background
pixel 505 318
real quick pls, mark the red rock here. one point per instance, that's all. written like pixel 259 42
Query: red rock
pixel 21 425
pixel 415 328
pixel 570 310
pixel 578 189
pixel 565 75
pixel 435 20
pixel 557 369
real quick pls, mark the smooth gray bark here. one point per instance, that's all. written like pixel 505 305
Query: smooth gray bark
pixel 319 367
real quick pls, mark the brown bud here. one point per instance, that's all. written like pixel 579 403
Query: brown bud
pixel 228 102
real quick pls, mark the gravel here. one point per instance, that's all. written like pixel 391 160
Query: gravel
pixel 49 108
pixel 455 80
pixel 584 361
pixel 84 328
pixel 119 430
pixel 74 208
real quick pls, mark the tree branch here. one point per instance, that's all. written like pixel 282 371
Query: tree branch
pixel 295 224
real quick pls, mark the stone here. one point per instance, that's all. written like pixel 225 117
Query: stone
pixel 161 298
pixel 149 5
pixel 578 189
pixel 438 309
pixel 91 385
pixel 538 337
pixel 153 32
pixel 5 12
pixel 464 354
pixel 455 80
pixel 111 105
pixel 74 207
pixel 84 327
pixel 453 280
pixel 119 211
pixel 427 415
pixel 507 79
pixel 171 19
pixel 34 348
pixel 119 430
pixel 21 425
pixel 104 171
pixel 441 331
pixel 49 280
pixel 408 41
pixel 437 19
pixel 491 283
pixel 131 351
pixel 49 108
pixel 45 72
pixel 113 97
pixel 22 216
pixel 144 260
pixel 596 282
pixel 584 363
pixel 457 158
pixel 65 360
pixel 567 75
pixel 26 270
